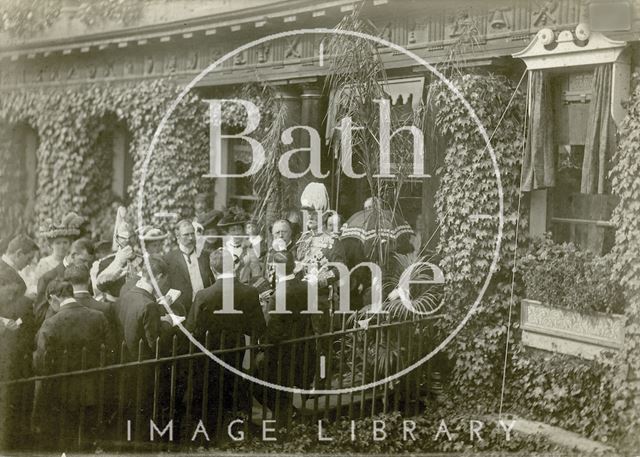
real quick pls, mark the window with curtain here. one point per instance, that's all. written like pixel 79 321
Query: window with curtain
pixel 583 144
pixel 240 189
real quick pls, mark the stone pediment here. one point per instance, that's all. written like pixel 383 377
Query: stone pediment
pixel 569 48
pixel 581 47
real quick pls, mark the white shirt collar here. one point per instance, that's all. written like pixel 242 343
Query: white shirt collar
pixel 144 285
pixel 9 262
pixel 67 301
pixel 65 262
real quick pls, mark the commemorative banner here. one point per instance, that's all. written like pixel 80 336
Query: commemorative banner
pixel 293 227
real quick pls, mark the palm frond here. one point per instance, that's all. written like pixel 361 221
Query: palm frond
pixel 268 183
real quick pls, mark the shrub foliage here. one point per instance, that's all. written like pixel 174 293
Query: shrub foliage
pixel 594 398
pixel 561 275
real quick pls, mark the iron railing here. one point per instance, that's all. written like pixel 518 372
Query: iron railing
pixel 112 403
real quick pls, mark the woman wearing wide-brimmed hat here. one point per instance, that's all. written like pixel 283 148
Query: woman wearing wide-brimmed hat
pixel 59 235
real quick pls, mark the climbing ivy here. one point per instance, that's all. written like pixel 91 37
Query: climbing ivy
pixel 468 188
pixel 594 398
pixel 24 17
pixel 74 171
pixel 20 17
pixel 626 185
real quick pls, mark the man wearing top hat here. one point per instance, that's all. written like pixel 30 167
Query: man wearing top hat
pixel 249 269
pixel 316 247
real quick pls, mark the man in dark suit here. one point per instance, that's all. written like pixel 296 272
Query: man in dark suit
pixel 20 253
pixel 81 252
pixel 138 313
pixel 16 337
pixel 17 328
pixel 207 315
pixel 284 364
pixel 207 311
pixel 188 272
pixel 142 323
pixel 60 343
pixel 78 276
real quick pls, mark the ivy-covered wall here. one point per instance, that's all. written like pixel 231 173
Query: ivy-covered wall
pixel 597 399
pixel 625 183
pixel 469 188
pixel 74 169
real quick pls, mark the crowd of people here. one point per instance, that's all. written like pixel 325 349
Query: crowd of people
pixel 78 304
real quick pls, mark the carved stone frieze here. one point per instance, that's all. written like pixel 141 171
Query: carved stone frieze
pixel 385 33
pixel 430 31
pixel 293 49
pixel 500 20
pixel 54 73
pixel 92 70
pixel 129 67
pixel 192 60
pixel 107 69
pixel 148 65
pixel 264 52
pixel 170 64
pixel 411 34
pixel 465 25
pixel 240 59
pixel 214 54
pixel 544 13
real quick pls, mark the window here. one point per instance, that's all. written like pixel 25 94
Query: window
pixel 122 162
pixel 578 214
pixel 27 147
pixel 236 159
pixel 241 189
pixel 577 90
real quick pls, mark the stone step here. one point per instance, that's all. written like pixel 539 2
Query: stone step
pixel 562 437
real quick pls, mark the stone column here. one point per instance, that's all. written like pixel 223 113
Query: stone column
pixel 312 114
pixel 289 96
